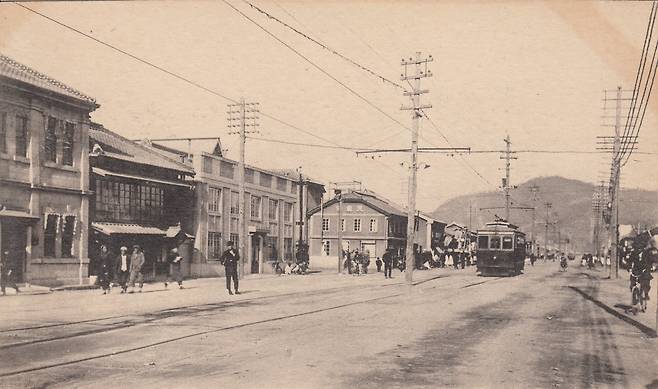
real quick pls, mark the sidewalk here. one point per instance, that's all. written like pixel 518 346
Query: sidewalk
pixel 613 295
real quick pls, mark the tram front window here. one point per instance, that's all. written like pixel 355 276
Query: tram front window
pixel 483 242
pixel 508 243
pixel 494 243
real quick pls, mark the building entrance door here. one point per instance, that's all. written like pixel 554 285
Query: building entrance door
pixel 14 239
pixel 255 253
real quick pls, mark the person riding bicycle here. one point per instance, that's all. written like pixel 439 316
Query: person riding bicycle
pixel 640 268
pixel 563 261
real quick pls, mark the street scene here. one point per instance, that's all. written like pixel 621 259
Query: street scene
pixel 289 194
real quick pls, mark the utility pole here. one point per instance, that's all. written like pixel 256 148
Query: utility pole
pixel 506 181
pixel 242 116
pixel 301 209
pixel 548 207
pixel 339 229
pixel 419 68
pixel 614 194
pixel 534 189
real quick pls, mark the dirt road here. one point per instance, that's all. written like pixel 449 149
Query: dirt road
pixel 452 329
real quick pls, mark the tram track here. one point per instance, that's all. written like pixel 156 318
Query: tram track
pixel 211 329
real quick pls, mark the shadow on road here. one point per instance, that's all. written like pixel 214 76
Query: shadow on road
pixel 646 330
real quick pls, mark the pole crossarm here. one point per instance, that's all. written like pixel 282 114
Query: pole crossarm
pixel 440 150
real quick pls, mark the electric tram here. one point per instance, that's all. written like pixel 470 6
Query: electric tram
pixel 501 249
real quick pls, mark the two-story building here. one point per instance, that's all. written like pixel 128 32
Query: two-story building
pixel 44 176
pixel 368 222
pixel 139 197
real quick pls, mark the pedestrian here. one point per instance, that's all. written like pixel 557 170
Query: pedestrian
pixel 378 263
pixel 137 261
pixel 122 268
pixel 7 274
pixel 106 265
pixel 388 262
pixel 230 259
pixel 175 261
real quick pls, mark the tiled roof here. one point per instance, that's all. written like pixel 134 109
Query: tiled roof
pixel 116 146
pixel 17 71
pixel 371 199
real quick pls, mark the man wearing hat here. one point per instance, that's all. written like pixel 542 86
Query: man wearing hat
pixel 122 268
pixel 230 260
pixel 136 263
pixel 6 276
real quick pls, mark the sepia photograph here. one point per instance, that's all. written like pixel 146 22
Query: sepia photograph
pixel 328 194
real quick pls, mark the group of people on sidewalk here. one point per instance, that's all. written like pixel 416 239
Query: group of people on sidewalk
pixel 355 262
pixel 126 269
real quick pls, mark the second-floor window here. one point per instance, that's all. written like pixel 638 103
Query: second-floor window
pixel 357 225
pixel 235 203
pixel 373 225
pixel 325 224
pixel 50 141
pixel 67 144
pixel 21 136
pixel 3 132
pixel 255 207
pixel 342 225
pixel 214 200
pixel 50 234
pixel 287 213
pixel 273 210
pixel 119 201
pixel 68 230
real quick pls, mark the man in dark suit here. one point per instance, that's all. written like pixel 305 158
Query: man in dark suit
pixel 230 260
pixel 388 262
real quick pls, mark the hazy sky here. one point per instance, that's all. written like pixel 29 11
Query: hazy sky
pixel 533 70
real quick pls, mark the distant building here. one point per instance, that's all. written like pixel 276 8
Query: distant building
pixel 44 173
pixel 139 197
pixel 369 222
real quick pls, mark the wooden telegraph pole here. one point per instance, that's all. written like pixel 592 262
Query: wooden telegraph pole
pixel 506 182
pixel 419 68
pixel 240 117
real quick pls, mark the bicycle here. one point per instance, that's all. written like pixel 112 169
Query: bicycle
pixel 638 295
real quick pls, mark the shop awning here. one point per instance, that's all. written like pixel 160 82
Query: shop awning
pixel 103 172
pixel 126 229
pixel 17 214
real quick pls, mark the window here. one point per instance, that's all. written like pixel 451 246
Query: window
pixel 325 224
pixel 235 203
pixel 281 184
pixel 265 180
pixel 483 242
pixel 3 132
pixel 255 207
pixel 494 243
pixel 287 213
pixel 357 225
pixel 287 231
pixel 226 169
pixel 67 144
pixel 342 225
pixel 118 201
pixel 287 249
pixel 508 243
pixel 235 238
pixel 50 143
pixel 273 210
pixel 21 136
pixel 68 229
pixel 207 165
pixel 373 225
pixel 50 234
pixel 326 247
pixel 272 248
pixel 214 245
pixel 249 176
pixel 214 200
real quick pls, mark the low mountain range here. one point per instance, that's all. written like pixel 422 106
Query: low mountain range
pixel 571 206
